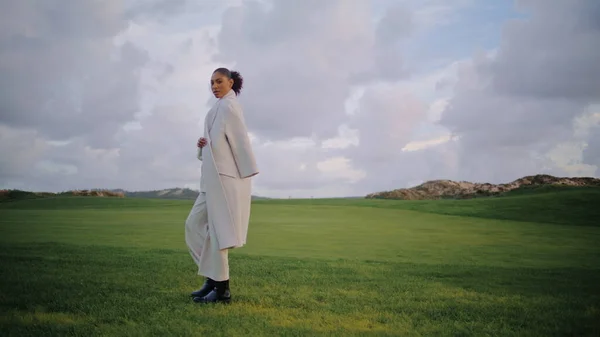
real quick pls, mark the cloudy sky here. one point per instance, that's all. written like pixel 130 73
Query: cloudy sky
pixel 342 97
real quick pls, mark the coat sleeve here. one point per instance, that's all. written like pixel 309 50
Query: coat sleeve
pixel 237 136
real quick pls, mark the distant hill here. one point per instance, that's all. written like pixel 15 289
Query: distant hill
pixel 170 193
pixel 10 195
pixel 448 189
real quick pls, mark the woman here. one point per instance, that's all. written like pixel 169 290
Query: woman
pixel 219 218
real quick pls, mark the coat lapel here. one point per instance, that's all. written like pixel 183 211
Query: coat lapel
pixel 212 115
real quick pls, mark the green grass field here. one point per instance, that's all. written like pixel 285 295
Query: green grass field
pixel 520 265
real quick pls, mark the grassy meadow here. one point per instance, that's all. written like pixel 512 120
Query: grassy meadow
pixel 526 264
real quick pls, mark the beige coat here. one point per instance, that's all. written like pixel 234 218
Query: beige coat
pixel 228 164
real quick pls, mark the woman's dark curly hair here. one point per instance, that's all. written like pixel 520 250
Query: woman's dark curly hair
pixel 238 80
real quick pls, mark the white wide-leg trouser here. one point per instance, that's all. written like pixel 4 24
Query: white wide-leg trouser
pixel 211 261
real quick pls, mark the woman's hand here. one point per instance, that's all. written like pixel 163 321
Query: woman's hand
pixel 201 142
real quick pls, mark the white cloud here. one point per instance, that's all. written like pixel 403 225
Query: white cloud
pixel 340 167
pixel 436 108
pixel 569 158
pixel 346 137
pixel 420 145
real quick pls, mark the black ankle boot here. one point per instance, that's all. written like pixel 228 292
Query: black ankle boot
pixel 208 286
pixel 220 294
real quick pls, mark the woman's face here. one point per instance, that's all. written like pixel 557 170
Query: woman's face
pixel 220 84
